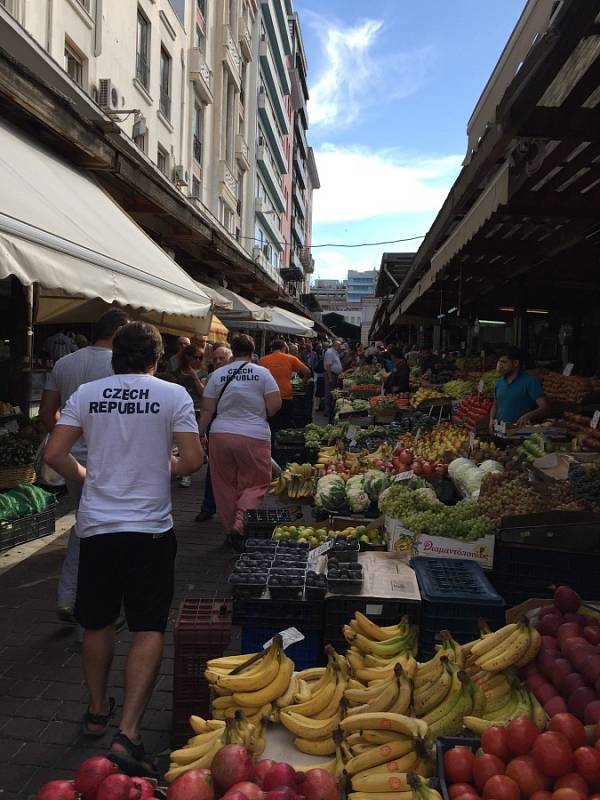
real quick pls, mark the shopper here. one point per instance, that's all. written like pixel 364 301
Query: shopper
pixel 190 374
pixel 125 524
pixel 237 401
pixel 220 356
pixel 319 376
pixel 333 369
pixel 518 396
pixel 282 366
pixel 182 343
pixel 68 374
pixel 399 378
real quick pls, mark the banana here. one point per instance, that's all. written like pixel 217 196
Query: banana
pixel 431 695
pixel 505 711
pixel 404 698
pixel 381 782
pixel 328 766
pixel 271 691
pixel 387 649
pixel 287 698
pixel 383 737
pixel 255 677
pixel 508 652
pixel 321 698
pixel 186 755
pixel 451 723
pixel 312 674
pixel 336 698
pixel 303 691
pixel 229 662
pixel 315 747
pixel 203 762
pixel 226 701
pixel 535 642
pixel 374 756
pixel 456 685
pixel 477 725
pixel 260 714
pixel 306 728
pixel 478 699
pixel 373 631
pixel 384 721
pixel 407 795
pixel 538 715
pixel 489 643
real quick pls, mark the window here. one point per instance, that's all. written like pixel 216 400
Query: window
pixel 201 7
pixel 198 130
pixel 85 4
pixel 162 160
pixel 200 41
pixel 140 142
pixel 195 188
pixel 165 83
pixel 142 52
pixel 74 64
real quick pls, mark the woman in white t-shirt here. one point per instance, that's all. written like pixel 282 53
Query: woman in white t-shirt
pixel 238 398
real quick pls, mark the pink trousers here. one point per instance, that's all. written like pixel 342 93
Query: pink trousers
pixel 240 470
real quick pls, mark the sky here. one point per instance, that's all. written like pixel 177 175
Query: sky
pixel 392 85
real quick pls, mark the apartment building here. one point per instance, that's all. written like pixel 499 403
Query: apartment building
pixel 330 294
pixel 360 284
pixel 204 89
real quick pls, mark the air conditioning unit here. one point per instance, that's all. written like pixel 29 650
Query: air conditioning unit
pixel 140 127
pixel 180 176
pixel 108 94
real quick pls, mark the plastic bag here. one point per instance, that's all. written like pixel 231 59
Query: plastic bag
pixel 45 474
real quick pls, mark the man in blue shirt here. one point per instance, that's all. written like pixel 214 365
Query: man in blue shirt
pixel 519 397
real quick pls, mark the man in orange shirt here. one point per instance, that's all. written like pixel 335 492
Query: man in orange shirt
pixel 282 366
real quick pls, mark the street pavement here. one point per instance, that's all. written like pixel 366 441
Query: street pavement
pixel 42 696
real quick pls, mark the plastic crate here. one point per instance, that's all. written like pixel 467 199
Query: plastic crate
pixel 202 632
pixel 522 572
pixel 304 654
pixel 301 614
pixel 261 522
pixel 455 594
pixel 339 611
pixel 291 454
pixel 442 745
pixel 27 529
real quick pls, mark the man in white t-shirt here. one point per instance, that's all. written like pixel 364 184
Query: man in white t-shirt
pixel 124 522
pixel 333 369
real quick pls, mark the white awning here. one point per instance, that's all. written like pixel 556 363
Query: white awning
pixel 492 198
pixel 279 323
pixel 59 229
pixel 306 322
pixel 217 296
pixel 242 309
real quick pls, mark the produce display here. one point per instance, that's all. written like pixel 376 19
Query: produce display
pixel 344 406
pixel 438 444
pixel 580 426
pixel 467 476
pixel 458 389
pixel 23 500
pixel 315 435
pixel 16 450
pixel 535 446
pixel 474 409
pixel 585 482
pixel 566 388
pixel 317 536
pixel 389 402
pixel 422 395
pixel 364 389
pixel 296 480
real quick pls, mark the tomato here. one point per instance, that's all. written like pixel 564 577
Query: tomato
pixel 570 727
pixel 458 765
pixel 527 776
pixel 567 794
pixel 493 741
pixel 587 762
pixel 485 767
pixel 541 796
pixel 552 754
pixel 500 787
pixel 521 733
pixel 572 780
pixel 456 789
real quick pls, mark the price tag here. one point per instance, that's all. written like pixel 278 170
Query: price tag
pixel 404 476
pixel 317 552
pixel 595 420
pixel 568 369
pixel 289 635
pixel 480 386
pixel 500 428
pixel 417 435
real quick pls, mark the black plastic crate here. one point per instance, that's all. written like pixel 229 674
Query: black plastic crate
pixel 27 529
pixel 455 595
pixel 260 523
pixel 340 610
pixel 291 454
pixel 301 614
pixel 442 745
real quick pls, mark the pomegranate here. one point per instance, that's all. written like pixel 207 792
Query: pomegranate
pixel 90 775
pixel 319 784
pixel 567 599
pixel 57 790
pixel 145 788
pixel 117 787
pixel 282 793
pixel 406 457
pixel 261 768
pixel 197 784
pixel 232 764
pixel 251 790
pixel 280 775
pixel 231 795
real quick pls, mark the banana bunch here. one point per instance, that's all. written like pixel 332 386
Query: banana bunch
pixel 514 645
pixel 297 480
pixel 444 694
pixel 255 689
pixel 393 694
pixel 397 786
pixel 209 736
pixel 314 720
pixel 373 647
pixel 518 701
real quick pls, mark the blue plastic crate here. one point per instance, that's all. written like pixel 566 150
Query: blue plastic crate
pixel 304 654
pixel 455 595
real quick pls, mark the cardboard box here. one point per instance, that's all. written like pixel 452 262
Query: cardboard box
pixel 388 576
pixel 402 540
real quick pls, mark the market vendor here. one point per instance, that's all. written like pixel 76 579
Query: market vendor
pixel 399 378
pixel 518 396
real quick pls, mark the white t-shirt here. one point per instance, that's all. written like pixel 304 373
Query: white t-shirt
pixel 242 409
pixel 332 361
pixel 128 422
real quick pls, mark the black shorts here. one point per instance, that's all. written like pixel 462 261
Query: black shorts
pixel 136 570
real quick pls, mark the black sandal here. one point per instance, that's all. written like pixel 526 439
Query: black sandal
pixel 133 761
pixel 98 719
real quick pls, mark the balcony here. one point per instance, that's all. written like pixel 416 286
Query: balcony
pixel 271 179
pixel 231 56
pixel 228 186
pixel 272 131
pixel 201 75
pixel 300 137
pixel 269 219
pixel 300 169
pixel 242 153
pixel 271 79
pixel 197 150
pixel 280 41
pixel 299 199
pixel 245 38
pixel 259 257
pixel 293 273
pixel 298 230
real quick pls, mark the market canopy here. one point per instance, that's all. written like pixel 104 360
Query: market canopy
pixel 60 230
pixel 243 309
pixel 305 322
pixel 279 322
pixel 218 297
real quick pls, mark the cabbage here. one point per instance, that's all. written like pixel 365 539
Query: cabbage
pixel 491 466
pixel 331 493
pixel 374 483
pixel 458 464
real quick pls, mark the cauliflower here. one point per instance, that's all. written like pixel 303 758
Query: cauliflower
pixel 358 499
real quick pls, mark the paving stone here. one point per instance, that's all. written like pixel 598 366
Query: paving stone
pixel 14 777
pixel 26 730
pixel 39 754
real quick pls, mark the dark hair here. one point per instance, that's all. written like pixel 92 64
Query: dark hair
pixel 137 346
pixel 109 324
pixel 188 354
pixel 396 351
pixel 514 353
pixel 242 345
pixel 277 344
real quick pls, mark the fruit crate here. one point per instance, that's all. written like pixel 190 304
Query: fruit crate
pixel 293 454
pixel 306 616
pixel 260 523
pixel 305 654
pixel 522 572
pixel 455 595
pixel 202 631
pixel 442 745
pixel 27 529
pixel 340 609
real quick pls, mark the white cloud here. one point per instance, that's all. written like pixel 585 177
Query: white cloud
pixel 357 74
pixel 359 184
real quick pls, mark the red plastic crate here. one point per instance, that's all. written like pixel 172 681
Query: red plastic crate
pixel 202 632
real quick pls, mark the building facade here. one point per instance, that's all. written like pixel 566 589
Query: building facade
pixel 360 284
pixel 330 294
